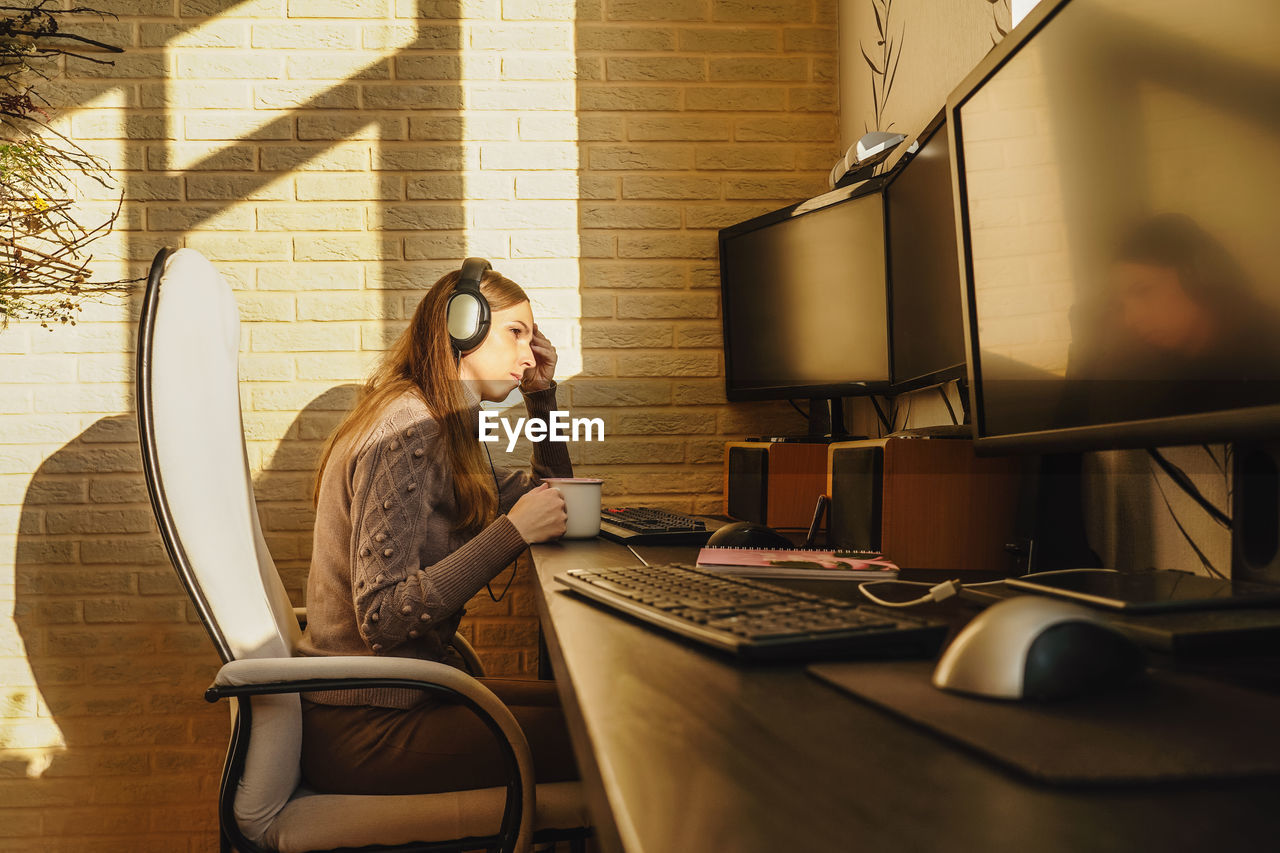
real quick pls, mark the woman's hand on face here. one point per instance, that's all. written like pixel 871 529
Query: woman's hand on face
pixel 539 515
pixel 539 377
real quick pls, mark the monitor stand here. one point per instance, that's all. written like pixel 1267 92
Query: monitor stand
pixel 1255 512
pixel 962 389
pixel 1255 533
pixel 826 424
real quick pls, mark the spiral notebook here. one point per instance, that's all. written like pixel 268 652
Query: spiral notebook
pixel 805 563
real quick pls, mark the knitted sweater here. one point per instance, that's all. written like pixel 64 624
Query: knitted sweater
pixel 388 575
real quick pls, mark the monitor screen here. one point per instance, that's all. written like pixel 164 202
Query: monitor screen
pixel 803 300
pixel 927 332
pixel 1118 165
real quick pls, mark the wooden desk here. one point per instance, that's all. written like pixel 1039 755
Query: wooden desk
pixel 684 751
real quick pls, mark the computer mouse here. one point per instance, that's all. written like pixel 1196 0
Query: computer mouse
pixel 1038 648
pixel 748 534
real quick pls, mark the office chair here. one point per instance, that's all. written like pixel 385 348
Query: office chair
pixel 197 473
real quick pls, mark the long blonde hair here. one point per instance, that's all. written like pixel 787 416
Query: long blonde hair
pixel 422 360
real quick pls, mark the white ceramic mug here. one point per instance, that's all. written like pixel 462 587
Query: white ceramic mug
pixel 581 504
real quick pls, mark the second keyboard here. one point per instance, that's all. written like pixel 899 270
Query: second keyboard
pixel 636 525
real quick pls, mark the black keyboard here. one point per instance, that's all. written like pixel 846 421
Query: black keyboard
pixel 754 620
pixel 639 525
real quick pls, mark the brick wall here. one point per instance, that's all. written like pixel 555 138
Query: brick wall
pixel 334 157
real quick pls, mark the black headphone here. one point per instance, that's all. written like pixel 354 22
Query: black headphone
pixel 467 313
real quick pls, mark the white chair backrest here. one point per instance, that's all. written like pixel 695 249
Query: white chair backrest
pixel 202 461
pixel 201 473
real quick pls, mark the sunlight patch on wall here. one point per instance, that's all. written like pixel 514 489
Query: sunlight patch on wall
pixel 28 734
pixel 520 150
pixel 1021 8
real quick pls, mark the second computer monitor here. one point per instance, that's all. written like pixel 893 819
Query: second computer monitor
pixel 804 301
pixel 927 328
pixel 1118 163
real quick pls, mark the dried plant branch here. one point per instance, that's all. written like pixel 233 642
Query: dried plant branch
pixel 107 47
pixel 884 70
pixel 44 266
pixel 1002 31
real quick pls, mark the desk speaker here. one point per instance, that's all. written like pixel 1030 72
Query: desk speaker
pixel 774 483
pixel 925 503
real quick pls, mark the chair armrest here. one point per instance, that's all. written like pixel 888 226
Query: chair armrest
pixel 468 654
pixel 261 676
pixel 292 675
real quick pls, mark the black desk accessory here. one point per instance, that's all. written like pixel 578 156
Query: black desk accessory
pixel 1154 591
pixel 1166 727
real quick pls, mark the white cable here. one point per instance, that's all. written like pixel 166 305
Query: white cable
pixel 946 589
pixel 937 592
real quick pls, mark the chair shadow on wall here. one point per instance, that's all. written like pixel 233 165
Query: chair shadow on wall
pixel 118 654
pixel 119 658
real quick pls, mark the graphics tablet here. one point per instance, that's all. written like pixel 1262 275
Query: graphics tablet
pixel 1148 592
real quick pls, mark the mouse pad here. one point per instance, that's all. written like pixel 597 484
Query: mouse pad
pixel 1163 727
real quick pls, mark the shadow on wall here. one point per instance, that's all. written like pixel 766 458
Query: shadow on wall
pixel 284 485
pixel 119 659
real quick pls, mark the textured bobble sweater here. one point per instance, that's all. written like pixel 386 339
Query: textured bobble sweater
pixel 388 575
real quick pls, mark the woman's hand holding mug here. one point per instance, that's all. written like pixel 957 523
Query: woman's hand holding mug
pixel 539 515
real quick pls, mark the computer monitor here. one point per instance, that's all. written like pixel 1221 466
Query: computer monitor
pixel 926 330
pixel 1117 165
pixel 803 299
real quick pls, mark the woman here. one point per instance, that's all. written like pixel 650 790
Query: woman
pixel 410 524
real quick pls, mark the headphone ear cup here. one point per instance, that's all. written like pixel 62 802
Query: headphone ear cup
pixel 467 318
pixel 467 312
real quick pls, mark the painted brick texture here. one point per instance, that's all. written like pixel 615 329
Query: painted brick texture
pixel 333 159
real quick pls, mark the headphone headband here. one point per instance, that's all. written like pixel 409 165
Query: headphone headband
pixel 473 270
